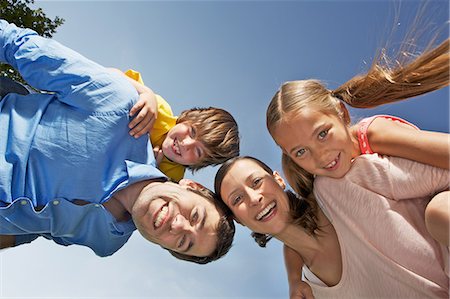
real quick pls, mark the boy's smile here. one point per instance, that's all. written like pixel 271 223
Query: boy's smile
pixel 181 145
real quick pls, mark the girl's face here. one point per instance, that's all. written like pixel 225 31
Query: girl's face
pixel 256 198
pixel 318 142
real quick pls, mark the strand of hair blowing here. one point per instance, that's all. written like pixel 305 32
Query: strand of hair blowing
pixel 385 84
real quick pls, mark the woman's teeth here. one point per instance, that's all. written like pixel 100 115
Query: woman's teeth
pixel 266 211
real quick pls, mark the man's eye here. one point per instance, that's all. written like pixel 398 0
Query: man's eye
pixel 194 218
pixel 182 241
pixel 300 152
pixel 323 134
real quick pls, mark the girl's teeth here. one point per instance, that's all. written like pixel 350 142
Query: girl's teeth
pixel 161 215
pixel 331 164
pixel 265 211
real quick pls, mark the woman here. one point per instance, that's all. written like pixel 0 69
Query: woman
pixel 359 244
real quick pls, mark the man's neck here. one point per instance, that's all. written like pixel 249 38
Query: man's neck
pixel 128 196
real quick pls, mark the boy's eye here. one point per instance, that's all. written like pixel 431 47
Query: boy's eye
pixel 300 152
pixel 193 132
pixel 323 134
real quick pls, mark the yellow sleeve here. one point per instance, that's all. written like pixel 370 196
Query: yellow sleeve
pixel 173 170
pixel 136 76
pixel 163 123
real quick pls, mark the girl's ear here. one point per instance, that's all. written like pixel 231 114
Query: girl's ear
pixel 345 115
pixel 279 179
pixel 191 184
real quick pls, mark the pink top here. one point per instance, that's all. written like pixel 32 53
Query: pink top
pixel 363 126
pixel 379 219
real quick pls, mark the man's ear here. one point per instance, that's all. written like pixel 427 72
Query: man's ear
pixel 191 184
pixel 344 113
pixel 279 179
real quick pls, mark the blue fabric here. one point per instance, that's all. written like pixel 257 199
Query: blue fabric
pixel 67 145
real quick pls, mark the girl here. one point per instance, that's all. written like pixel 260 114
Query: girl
pixel 321 142
pixel 369 247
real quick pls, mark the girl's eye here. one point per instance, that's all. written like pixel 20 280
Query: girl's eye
pixel 323 134
pixel 300 152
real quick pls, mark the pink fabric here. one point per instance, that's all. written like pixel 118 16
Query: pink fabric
pixel 377 210
pixel 363 126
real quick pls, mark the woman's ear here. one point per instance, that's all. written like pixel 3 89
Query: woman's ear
pixel 279 179
pixel 191 184
pixel 345 115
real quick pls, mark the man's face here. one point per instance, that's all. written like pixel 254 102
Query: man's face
pixel 177 218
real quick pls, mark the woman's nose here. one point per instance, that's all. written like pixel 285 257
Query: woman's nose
pixel 255 197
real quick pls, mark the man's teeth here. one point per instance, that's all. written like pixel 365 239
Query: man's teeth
pixel 331 164
pixel 265 211
pixel 161 216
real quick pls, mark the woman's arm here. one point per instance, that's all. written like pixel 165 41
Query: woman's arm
pixel 397 139
pixel 146 105
pixel 298 289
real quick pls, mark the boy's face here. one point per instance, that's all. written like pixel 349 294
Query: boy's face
pixel 182 146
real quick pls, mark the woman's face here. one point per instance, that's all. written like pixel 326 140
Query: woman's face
pixel 257 198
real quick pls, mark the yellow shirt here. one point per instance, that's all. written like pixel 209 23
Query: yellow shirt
pixel 163 123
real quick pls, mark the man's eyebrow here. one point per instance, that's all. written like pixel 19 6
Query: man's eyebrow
pixel 201 226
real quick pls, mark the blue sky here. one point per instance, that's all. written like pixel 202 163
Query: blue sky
pixel 232 55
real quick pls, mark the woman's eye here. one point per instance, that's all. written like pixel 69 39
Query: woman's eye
pixel 300 152
pixel 323 134
pixel 256 182
pixel 236 200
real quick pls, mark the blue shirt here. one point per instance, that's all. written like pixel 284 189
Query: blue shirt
pixel 68 145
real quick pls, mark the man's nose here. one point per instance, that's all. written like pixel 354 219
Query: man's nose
pixel 179 224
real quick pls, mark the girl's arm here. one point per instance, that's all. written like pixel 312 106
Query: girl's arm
pixel 298 289
pixel 398 139
pixel 437 217
pixel 146 105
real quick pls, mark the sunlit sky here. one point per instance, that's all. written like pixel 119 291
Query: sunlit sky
pixel 232 55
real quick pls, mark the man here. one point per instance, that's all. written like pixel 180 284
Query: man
pixel 70 171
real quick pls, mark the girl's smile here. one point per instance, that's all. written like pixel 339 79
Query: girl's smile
pixel 318 142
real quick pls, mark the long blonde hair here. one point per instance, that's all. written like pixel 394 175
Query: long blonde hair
pixel 384 83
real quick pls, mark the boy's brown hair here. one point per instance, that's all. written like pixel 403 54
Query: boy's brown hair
pixel 217 130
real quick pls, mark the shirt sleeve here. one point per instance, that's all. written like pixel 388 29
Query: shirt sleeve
pixel 398 178
pixel 47 65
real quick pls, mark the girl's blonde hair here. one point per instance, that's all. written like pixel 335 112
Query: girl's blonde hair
pixel 384 83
